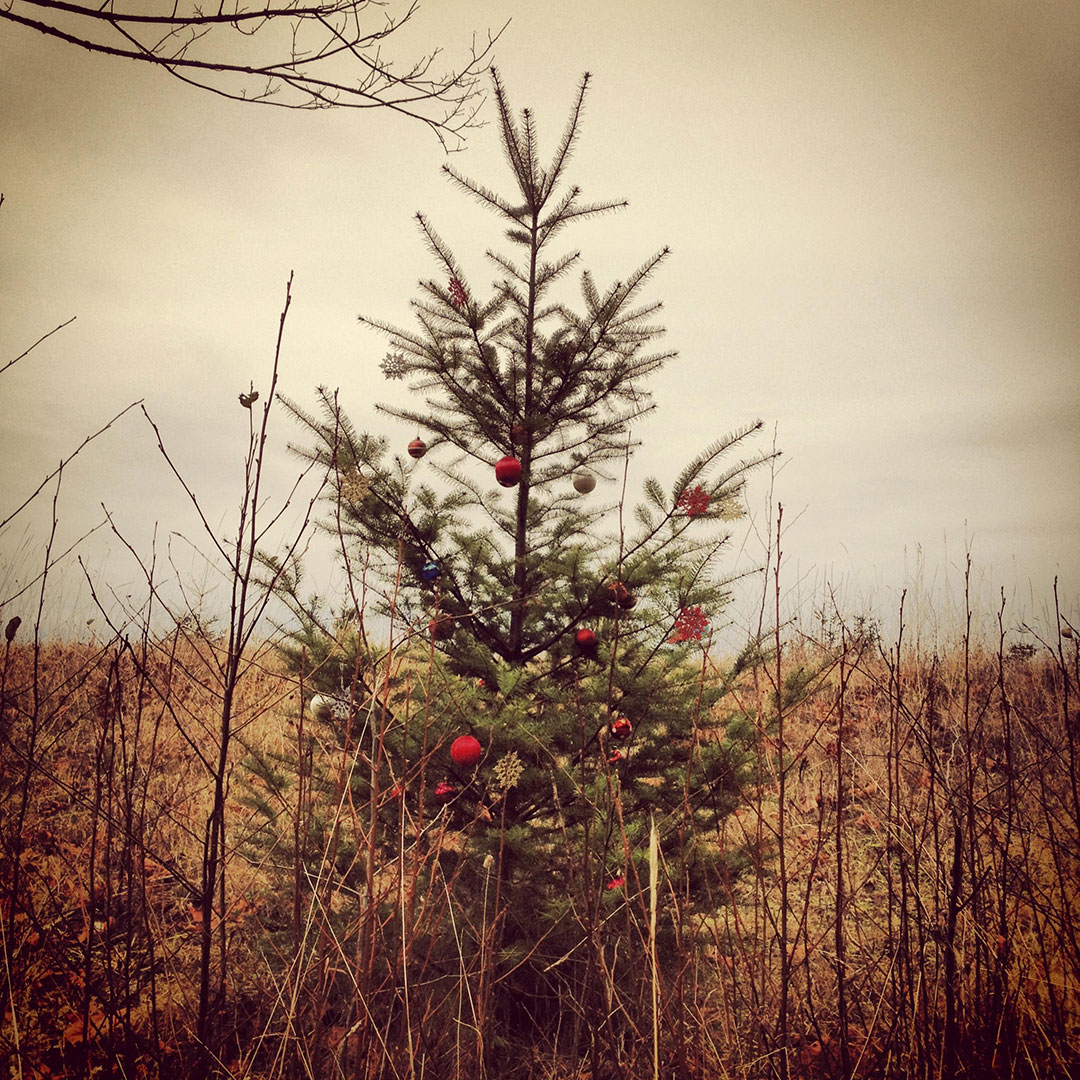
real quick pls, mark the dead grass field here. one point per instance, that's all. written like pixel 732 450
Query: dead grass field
pixel 907 900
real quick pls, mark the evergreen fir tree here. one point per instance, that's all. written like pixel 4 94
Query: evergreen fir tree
pixel 534 615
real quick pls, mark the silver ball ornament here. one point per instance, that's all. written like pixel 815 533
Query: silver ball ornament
pixel 584 482
pixel 322 708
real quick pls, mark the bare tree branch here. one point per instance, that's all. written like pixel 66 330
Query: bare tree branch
pixel 56 472
pixel 291 54
pixel 26 352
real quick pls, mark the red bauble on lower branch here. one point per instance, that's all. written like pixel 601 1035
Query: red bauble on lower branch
pixel 417 448
pixel 585 640
pixel 508 471
pixel 445 791
pixel 621 727
pixel 466 750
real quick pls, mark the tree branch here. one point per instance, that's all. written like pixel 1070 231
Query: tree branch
pixel 301 56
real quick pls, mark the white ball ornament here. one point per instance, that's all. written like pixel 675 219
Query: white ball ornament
pixel 322 708
pixel 584 482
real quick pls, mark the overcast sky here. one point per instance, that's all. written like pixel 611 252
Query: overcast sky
pixel 875 229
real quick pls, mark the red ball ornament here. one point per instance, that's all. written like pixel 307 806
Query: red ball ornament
pixel 417 448
pixel 465 750
pixel 445 791
pixel 621 727
pixel 585 639
pixel 622 595
pixel 508 471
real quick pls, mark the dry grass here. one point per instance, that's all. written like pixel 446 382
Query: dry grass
pixel 930 832
pixel 910 906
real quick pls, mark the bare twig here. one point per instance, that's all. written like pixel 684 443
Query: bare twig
pixel 298 55
pixel 26 352
pixel 65 462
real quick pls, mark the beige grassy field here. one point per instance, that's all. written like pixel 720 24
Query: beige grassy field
pixel 903 896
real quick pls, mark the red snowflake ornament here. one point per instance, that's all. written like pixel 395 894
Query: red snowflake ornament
pixel 694 501
pixel 458 296
pixel 690 625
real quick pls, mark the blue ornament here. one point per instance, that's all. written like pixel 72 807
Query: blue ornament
pixel 432 571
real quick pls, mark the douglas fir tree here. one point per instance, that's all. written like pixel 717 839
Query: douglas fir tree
pixel 542 704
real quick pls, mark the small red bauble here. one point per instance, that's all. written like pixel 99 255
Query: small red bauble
pixel 585 638
pixel 466 750
pixel 621 727
pixel 417 448
pixel 508 471
pixel 615 756
pixel 445 791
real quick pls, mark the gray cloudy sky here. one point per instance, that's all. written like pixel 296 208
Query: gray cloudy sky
pixel 875 229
